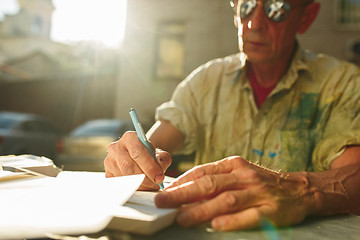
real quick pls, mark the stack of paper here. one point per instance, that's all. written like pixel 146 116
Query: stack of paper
pixel 28 164
pixel 76 203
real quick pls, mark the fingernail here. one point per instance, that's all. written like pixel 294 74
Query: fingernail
pixel 216 224
pixel 159 178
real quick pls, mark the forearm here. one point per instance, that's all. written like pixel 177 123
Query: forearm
pixel 336 191
pixel 165 136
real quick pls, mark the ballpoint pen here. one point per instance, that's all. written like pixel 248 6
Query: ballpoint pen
pixel 141 135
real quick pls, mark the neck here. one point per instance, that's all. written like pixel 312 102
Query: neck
pixel 269 73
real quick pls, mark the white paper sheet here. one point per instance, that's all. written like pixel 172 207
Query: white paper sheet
pixel 72 203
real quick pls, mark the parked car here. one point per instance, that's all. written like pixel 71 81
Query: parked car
pixel 85 148
pixel 24 133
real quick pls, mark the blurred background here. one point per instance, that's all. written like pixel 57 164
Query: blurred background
pixel 74 61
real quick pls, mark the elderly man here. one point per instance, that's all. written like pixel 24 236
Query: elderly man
pixel 284 121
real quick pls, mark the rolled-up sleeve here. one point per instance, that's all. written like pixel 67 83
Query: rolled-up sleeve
pixel 342 126
pixel 180 112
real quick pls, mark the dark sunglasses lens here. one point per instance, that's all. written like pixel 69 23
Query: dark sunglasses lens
pixel 247 8
pixel 277 10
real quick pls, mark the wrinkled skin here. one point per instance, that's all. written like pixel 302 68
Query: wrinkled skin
pixel 128 156
pixel 235 194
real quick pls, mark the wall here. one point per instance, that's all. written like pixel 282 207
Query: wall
pixel 325 36
pixel 210 33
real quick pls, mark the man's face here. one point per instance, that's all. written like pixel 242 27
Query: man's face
pixel 265 41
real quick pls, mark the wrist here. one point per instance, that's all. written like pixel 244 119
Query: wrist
pixel 329 193
pixel 300 184
pixel 315 197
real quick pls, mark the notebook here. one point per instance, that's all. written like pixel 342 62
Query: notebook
pixel 26 166
pixel 140 215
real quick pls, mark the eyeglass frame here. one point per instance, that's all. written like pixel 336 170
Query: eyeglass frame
pixel 234 3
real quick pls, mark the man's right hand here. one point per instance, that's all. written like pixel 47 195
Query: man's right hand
pixel 128 156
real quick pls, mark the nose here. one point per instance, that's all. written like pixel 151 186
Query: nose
pixel 258 19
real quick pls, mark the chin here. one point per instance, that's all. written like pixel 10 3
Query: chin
pixel 257 59
pixel 254 53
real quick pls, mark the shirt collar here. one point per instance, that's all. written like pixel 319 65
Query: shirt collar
pixel 298 65
pixel 238 69
pixel 238 64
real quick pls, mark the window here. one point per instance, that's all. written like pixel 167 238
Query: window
pixel 347 13
pixel 36 25
pixel 170 51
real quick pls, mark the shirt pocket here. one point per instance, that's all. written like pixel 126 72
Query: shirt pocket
pixel 296 150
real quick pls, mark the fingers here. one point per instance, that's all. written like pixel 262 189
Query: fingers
pixel 247 219
pixel 226 165
pixel 109 174
pixel 148 185
pixel 129 156
pixel 164 158
pixel 118 162
pixel 234 194
pixel 228 211
pixel 208 186
pixel 224 203
pixel 111 169
pixel 203 188
pixel 221 197
pixel 140 159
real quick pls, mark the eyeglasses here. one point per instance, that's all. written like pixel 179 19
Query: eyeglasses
pixel 275 10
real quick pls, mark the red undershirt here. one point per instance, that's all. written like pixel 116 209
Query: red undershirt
pixel 260 93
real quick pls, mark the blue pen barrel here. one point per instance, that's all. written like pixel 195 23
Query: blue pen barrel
pixel 141 135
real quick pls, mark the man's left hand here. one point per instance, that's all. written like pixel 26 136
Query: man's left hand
pixel 236 194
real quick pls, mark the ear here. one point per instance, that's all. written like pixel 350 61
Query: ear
pixel 308 17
